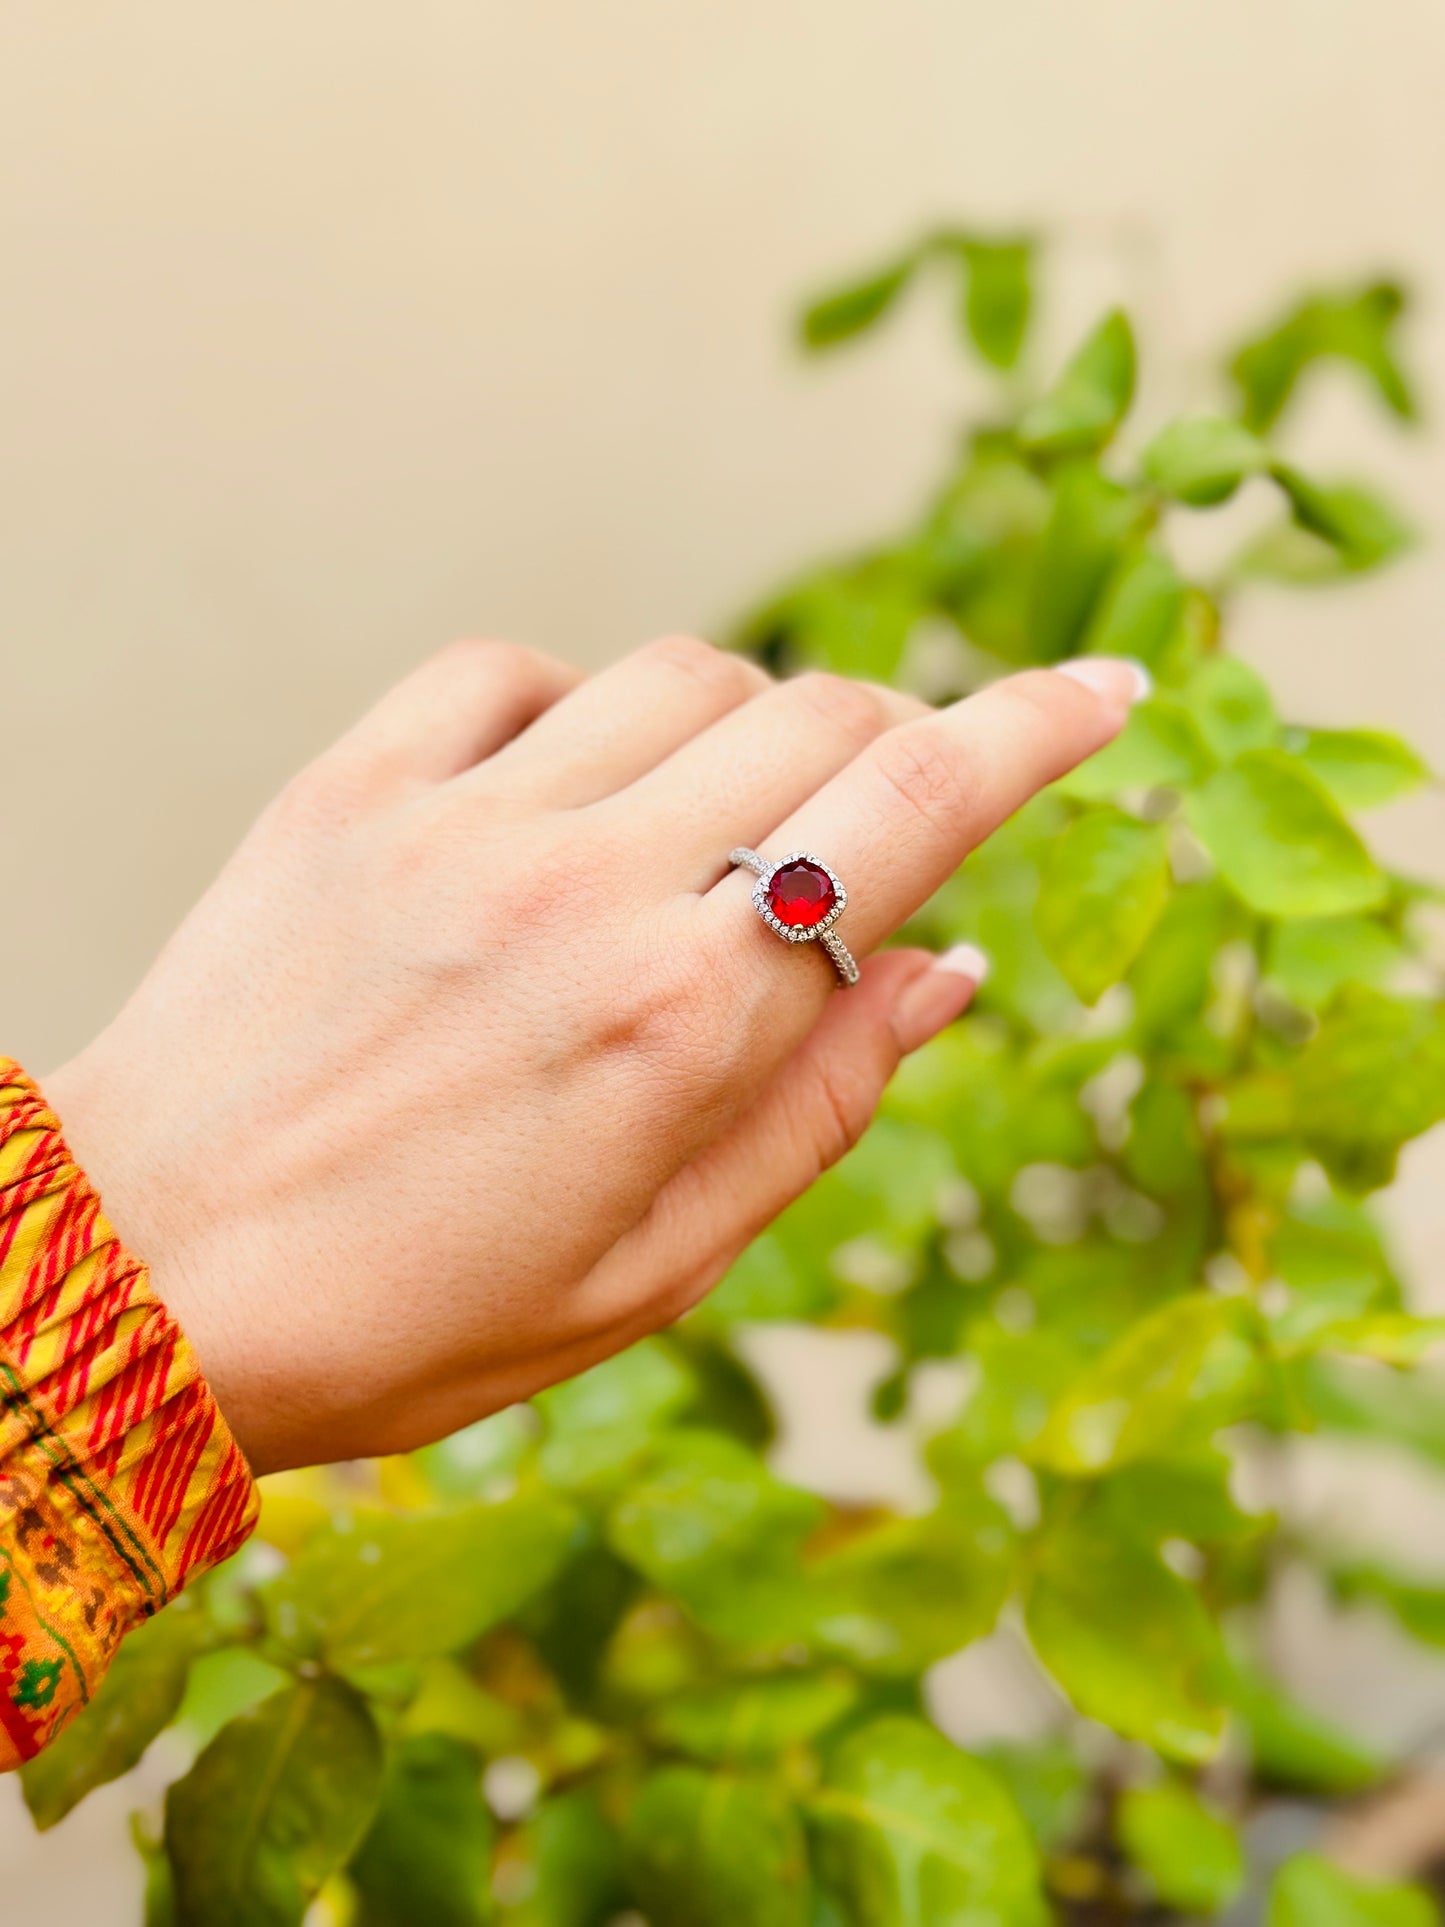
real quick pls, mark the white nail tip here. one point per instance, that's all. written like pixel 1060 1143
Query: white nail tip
pixel 964 960
pixel 1143 681
pixel 1099 673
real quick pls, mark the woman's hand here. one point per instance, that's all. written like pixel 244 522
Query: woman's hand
pixel 476 1063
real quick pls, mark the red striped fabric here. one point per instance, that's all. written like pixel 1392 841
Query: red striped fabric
pixel 119 1479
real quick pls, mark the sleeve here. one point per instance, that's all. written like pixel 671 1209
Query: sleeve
pixel 119 1480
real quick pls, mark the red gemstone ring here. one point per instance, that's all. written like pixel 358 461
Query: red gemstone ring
pixel 801 899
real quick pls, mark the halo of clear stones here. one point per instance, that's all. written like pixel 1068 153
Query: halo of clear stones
pixel 797 933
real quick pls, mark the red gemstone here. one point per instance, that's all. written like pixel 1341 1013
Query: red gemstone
pixel 801 894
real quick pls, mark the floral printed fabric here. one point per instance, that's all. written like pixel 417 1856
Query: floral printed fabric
pixel 119 1479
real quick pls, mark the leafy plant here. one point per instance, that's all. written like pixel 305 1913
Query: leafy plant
pixel 595 1658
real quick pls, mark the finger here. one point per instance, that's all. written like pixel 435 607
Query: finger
pixel 458 707
pixel 898 821
pixel 620 723
pixel 813 1109
pixel 731 783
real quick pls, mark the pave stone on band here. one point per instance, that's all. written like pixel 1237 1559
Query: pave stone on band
pixel 801 899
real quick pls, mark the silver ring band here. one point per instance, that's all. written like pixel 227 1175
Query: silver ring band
pixel 800 899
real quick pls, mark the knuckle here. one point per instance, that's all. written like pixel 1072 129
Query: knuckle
pixel 325 796
pixel 704 662
pixel 492 659
pixel 858 710
pixel 474 652
pixel 931 774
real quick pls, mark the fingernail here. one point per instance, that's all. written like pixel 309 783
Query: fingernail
pixel 1119 678
pixel 931 1001
pixel 964 960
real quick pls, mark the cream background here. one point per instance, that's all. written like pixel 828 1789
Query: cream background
pixel 331 330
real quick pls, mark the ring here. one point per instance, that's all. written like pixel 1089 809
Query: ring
pixel 801 899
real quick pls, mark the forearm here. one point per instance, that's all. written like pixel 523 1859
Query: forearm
pixel 119 1479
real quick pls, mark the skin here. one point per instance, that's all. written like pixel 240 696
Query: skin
pixel 476 1063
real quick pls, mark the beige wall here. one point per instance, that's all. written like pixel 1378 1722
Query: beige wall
pixel 331 328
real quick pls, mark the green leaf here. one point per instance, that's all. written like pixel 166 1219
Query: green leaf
pixel 1158 748
pixel 576 1861
pixel 1363 1402
pixel 1142 610
pixel 851 311
pixel 476 1460
pixel 914 1833
pixel 715 1850
pixel 1183 1498
pixel 887 1188
pixel 1285 553
pixel 1309 1892
pixel 1389 1337
pixel 428 1854
pixel 1294 1748
pixel 599 1424
pixel 1165 1154
pixel 224 1683
pixel 1354 327
pixel 999 296
pixel 272 1807
pixel 1280 842
pixel 1170 1382
pixel 1090 398
pixel 393 1587
pixel 753 1719
pixel 1102 892
pixel 138 1696
pixel 1361 768
pixel 1192 1858
pixel 1047 1782
pixel 1311 958
pixel 1231 707
pixel 708 1523
pixel 1018 1374
pixel 1173 980
pixel 773 1280
pixel 1372 1076
pixel 913 1590
pixel 980 543
pixel 729 1396
pixel 1205 460
pixel 1087 534
pixel 856 620
pixel 1127 1639
pixel 1420 1608
pixel 158 1902
pixel 1358 524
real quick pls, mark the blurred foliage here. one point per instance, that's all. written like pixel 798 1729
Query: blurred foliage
pixel 594 1659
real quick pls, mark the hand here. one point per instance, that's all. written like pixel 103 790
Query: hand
pixel 476 1062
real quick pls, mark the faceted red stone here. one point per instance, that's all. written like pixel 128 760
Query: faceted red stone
pixel 800 895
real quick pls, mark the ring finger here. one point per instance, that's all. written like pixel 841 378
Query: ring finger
pixel 755 766
pixel 902 816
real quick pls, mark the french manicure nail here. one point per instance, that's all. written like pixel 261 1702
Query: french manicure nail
pixel 964 960
pixel 1117 677
pixel 931 1001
